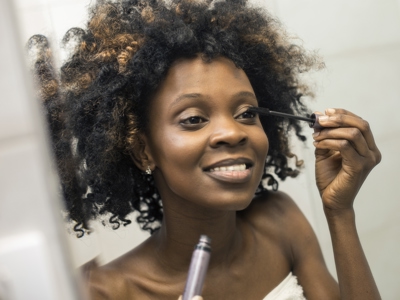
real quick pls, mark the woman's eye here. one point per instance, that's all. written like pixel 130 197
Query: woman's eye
pixel 247 115
pixel 193 120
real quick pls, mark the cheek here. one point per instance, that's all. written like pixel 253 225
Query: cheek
pixel 177 159
pixel 261 146
pixel 177 150
pixel 261 143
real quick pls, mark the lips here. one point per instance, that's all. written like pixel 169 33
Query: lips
pixel 230 162
pixel 240 167
pixel 231 170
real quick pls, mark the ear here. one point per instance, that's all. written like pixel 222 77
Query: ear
pixel 141 154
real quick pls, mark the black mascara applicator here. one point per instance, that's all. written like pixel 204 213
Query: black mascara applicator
pixel 312 120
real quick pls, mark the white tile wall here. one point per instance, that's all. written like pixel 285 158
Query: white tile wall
pixel 360 41
pixel 378 201
pixel 83 249
pixel 366 82
pixel 66 15
pixel 381 247
pixel 34 20
pixel 339 26
pixel 124 239
pixel 105 244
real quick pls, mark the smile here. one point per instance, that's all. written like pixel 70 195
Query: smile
pixel 237 173
pixel 240 167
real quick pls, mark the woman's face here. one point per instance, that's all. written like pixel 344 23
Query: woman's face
pixel 204 147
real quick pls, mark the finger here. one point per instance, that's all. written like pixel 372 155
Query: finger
pixel 331 111
pixel 349 120
pixel 352 134
pixel 348 153
pixel 340 120
pixel 180 297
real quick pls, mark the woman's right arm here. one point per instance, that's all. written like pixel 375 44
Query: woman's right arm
pixel 345 154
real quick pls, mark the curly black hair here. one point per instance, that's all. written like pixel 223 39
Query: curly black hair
pixel 97 104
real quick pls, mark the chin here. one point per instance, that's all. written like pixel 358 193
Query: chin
pixel 232 201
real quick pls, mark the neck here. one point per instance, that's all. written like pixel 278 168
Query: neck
pixel 180 232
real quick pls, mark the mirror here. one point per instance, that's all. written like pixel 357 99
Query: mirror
pixel 360 45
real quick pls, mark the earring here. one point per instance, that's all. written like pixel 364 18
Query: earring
pixel 148 170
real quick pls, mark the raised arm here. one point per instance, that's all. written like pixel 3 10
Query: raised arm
pixel 345 154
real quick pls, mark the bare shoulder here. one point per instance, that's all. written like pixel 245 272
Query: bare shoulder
pixel 273 208
pixel 277 222
pixel 281 209
pixel 277 214
pixel 119 279
pixel 104 282
pixel 278 200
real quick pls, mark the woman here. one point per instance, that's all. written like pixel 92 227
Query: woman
pixel 151 114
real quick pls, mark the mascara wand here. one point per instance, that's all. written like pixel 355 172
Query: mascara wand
pixel 312 120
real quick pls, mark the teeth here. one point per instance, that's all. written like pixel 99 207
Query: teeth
pixel 240 167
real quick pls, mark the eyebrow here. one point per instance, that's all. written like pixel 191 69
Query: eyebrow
pixel 198 95
pixel 186 96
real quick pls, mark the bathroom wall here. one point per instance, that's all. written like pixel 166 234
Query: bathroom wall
pixel 360 44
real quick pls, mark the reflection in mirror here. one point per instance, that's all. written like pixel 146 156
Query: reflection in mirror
pixel 354 60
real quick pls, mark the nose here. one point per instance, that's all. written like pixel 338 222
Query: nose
pixel 228 132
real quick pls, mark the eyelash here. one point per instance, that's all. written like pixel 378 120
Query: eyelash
pixel 191 121
pixel 252 115
pixel 186 121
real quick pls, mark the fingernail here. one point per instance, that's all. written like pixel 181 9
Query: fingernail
pixel 197 298
pixel 315 143
pixel 323 118
pixel 330 111
pixel 315 134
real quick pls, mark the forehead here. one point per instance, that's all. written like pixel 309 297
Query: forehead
pixel 219 77
pixel 198 69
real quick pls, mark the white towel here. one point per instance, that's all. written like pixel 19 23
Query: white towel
pixel 288 289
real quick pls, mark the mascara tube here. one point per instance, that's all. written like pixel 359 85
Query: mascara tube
pixel 315 122
pixel 198 268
